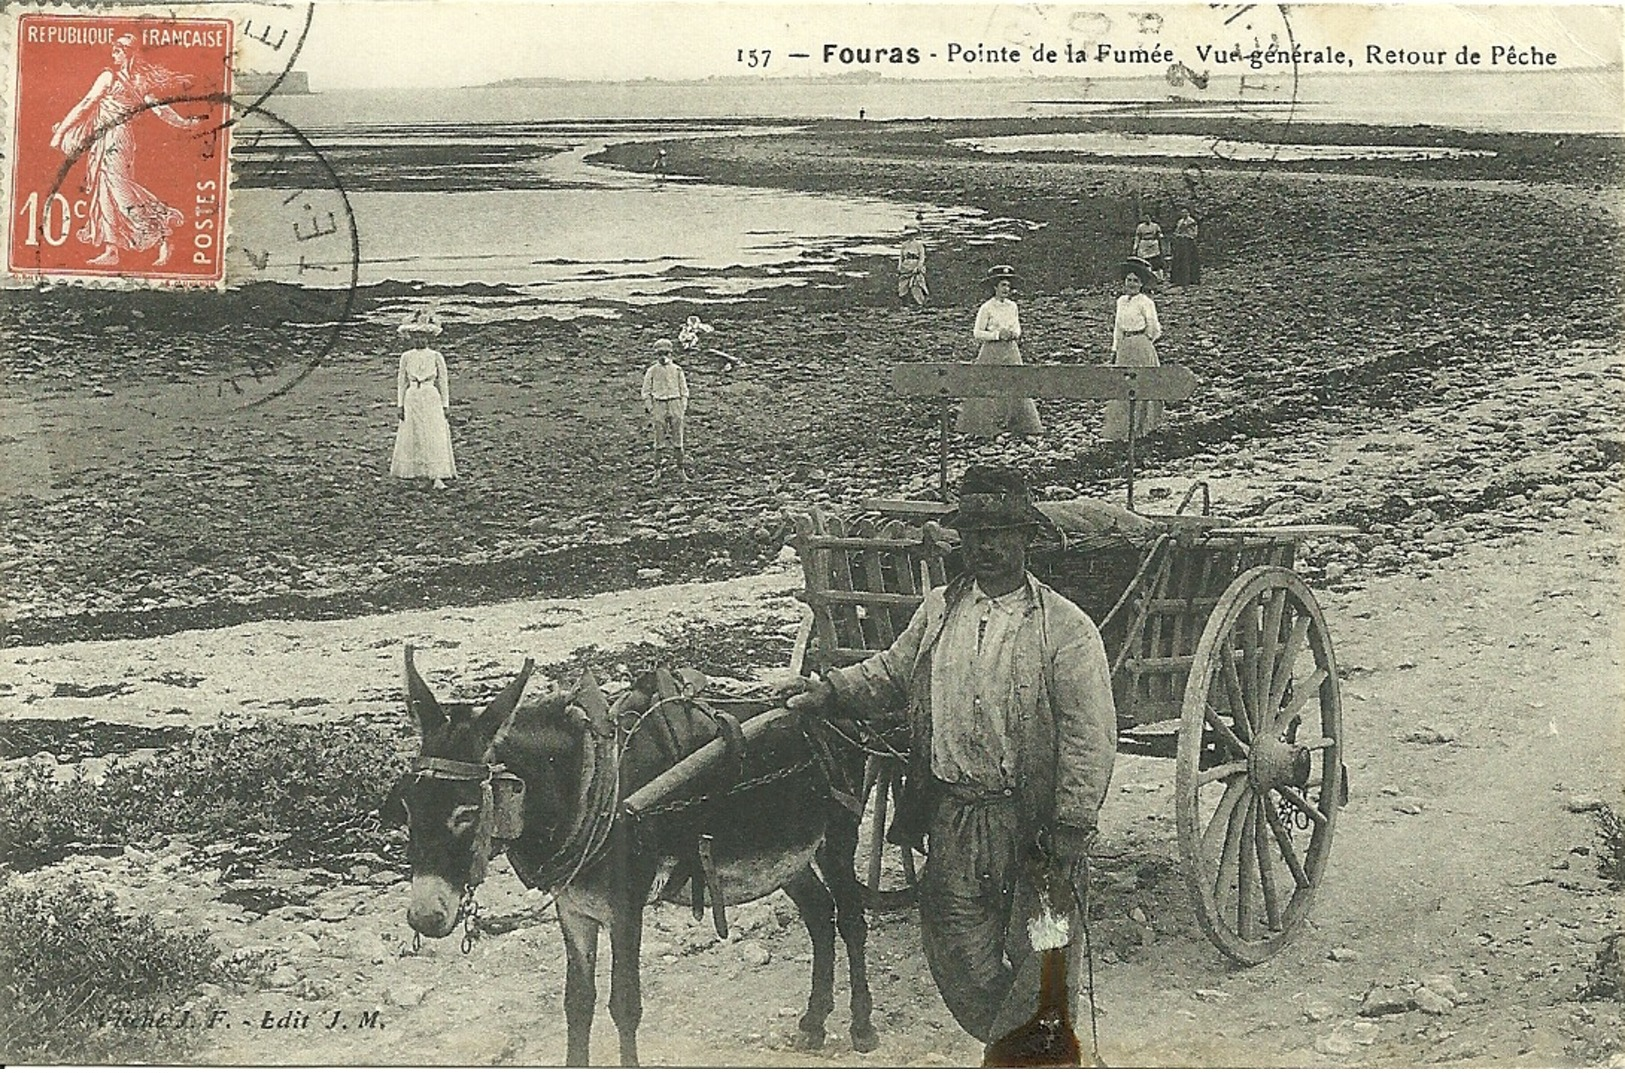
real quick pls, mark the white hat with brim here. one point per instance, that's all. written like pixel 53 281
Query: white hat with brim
pixel 421 323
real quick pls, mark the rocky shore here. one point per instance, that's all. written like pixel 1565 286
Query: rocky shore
pixel 1334 305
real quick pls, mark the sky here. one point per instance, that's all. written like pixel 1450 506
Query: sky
pixel 406 43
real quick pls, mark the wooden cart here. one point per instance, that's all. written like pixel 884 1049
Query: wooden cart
pixel 1220 661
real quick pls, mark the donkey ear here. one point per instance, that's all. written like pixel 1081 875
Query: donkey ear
pixel 426 711
pixel 497 712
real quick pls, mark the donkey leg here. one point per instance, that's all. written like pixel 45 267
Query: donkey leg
pixel 626 956
pixel 580 983
pixel 818 913
pixel 835 859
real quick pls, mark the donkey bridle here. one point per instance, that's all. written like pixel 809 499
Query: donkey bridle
pixel 444 769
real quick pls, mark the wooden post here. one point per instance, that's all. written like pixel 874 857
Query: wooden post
pixel 942 452
pixel 1131 432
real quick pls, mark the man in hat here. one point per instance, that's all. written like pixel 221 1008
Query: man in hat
pixel 665 400
pixel 1013 733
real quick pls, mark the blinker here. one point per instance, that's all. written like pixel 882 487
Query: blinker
pixel 502 799
pixel 507 805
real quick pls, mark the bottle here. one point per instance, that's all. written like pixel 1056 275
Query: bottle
pixel 1046 1041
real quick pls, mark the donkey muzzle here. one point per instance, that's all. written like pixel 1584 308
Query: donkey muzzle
pixel 432 910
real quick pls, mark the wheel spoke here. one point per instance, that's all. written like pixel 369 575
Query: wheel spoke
pixel 1221 817
pixel 1230 861
pixel 1281 675
pixel 1301 802
pixel 1246 861
pixel 1284 841
pixel 1221 771
pixel 1317 743
pixel 1269 646
pixel 1266 870
pixel 1299 699
pixel 1216 721
pixel 1238 699
pixel 1248 626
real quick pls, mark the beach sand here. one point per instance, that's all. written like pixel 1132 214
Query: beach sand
pixel 1428 352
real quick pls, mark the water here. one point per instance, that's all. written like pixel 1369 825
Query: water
pixel 564 238
pixel 1554 101
pixel 580 238
pixel 1109 143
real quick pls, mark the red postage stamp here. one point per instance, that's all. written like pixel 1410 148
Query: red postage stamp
pixel 119 147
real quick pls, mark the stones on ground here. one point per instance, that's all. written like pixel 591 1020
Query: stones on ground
pixel 406 994
pixel 1385 999
pixel 1424 734
pixel 282 977
pixel 1343 954
pixel 1445 986
pixel 1316 1010
pixel 753 954
pixel 650 573
pixel 1335 1043
pixel 1429 1001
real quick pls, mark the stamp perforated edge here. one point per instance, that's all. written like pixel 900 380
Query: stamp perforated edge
pixel 10 72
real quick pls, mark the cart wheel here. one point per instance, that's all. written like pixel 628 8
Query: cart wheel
pixel 887 873
pixel 1260 775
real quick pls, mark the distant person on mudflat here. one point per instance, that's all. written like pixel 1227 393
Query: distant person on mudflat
pixel 1135 332
pixel 422 392
pixel 665 400
pixel 1187 265
pixel 911 286
pixel 689 334
pixel 998 329
pixel 1148 244
pixel 659 164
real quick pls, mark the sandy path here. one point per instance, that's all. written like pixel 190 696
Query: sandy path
pixel 340 669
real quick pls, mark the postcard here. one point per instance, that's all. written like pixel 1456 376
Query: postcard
pixel 811 534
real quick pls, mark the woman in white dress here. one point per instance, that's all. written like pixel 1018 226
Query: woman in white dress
pixel 1134 336
pixel 422 391
pixel 998 328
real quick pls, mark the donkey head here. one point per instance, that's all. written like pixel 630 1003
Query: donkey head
pixel 445 802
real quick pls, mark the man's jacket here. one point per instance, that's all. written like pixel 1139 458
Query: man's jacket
pixel 1062 718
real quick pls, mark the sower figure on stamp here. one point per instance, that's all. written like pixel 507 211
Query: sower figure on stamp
pixel 1012 738
pixel 122 214
pixel 665 400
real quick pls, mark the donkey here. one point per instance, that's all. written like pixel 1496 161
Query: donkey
pixel 761 827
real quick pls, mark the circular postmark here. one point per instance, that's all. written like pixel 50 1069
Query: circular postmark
pixel 1256 43
pixel 138 170
pixel 270 37
pixel 289 258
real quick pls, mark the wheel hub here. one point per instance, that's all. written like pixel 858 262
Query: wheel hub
pixel 1273 763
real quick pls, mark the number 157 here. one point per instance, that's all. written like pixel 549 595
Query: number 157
pixel 754 57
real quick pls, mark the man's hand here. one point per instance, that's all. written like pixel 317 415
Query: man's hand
pixel 811 695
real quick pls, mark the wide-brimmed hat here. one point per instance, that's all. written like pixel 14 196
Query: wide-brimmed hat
pixel 1140 267
pixel 994 497
pixel 421 322
pixel 998 272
